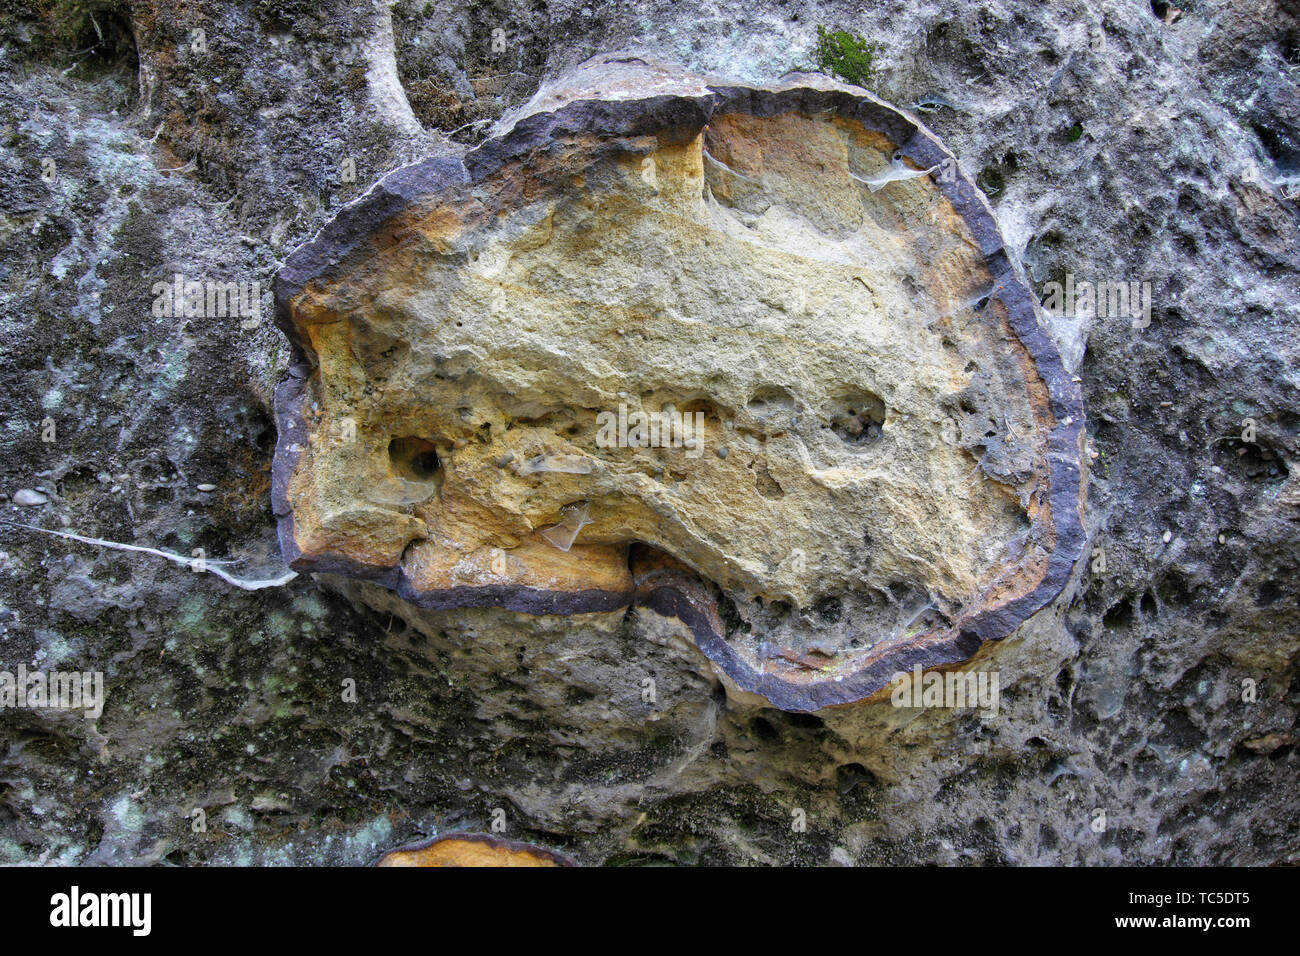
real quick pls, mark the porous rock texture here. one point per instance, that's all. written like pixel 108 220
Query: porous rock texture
pixel 892 431
pixel 1147 714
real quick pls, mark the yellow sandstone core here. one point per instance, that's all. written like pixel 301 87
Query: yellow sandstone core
pixel 835 340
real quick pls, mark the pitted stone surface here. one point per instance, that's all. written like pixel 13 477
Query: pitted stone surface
pixel 1162 155
pixel 873 417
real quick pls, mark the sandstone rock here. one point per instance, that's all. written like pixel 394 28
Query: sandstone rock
pixel 1160 155
pixel 509 367
pixel 473 849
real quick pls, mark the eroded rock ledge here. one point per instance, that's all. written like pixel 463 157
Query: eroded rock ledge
pixel 885 433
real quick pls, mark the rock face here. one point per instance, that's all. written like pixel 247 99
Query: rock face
pixel 1147 714
pixel 661 337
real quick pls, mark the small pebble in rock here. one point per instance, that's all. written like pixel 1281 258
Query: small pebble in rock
pixel 27 497
pixel 1169 536
pixel 722 452
pixel 206 487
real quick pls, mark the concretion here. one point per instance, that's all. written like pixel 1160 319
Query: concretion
pixel 887 432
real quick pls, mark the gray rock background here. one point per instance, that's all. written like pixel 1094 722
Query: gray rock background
pixel 1114 145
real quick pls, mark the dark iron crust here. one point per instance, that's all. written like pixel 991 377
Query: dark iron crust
pixel 1058 527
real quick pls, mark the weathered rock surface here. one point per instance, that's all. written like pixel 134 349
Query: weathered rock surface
pixel 768 271
pixel 310 727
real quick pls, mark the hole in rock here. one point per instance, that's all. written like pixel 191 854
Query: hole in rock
pixel 762 728
pixel 1269 593
pixel 1291 46
pixel 851 775
pixel 772 405
pixel 805 721
pixel 1148 606
pixel 1280 146
pixel 100 34
pixel 415 459
pixel 767 486
pixel 857 417
pixel 829 609
pixel 1118 617
pixel 991 180
pixel 1259 462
